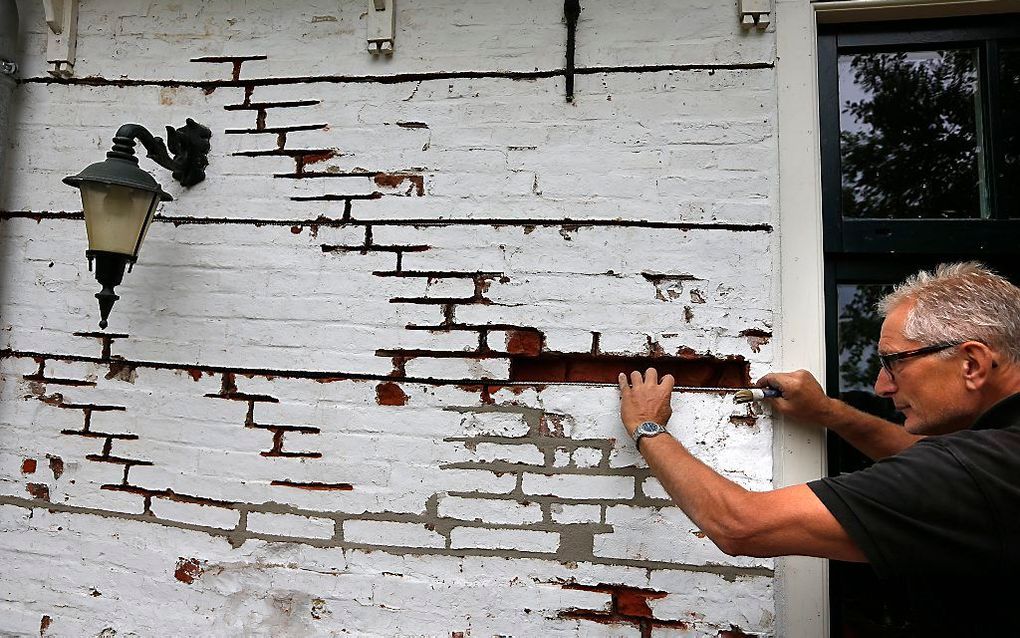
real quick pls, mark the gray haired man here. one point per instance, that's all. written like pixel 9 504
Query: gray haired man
pixel 938 515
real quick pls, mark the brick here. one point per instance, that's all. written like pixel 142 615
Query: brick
pixel 653 489
pixel 490 452
pixel 562 513
pixel 390 534
pixel 587 457
pixel 490 510
pixel 511 539
pixel 506 424
pixel 577 486
pixel 290 525
pixel 446 368
pixel 197 514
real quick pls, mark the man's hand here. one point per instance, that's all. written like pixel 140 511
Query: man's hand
pixel 645 399
pixel 803 398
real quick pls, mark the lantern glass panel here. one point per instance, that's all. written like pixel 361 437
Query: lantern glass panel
pixel 116 217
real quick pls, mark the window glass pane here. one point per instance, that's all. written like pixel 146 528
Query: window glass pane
pixel 910 134
pixel 1009 90
pixel 858 330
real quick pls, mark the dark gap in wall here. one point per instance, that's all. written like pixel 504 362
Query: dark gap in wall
pixel 699 371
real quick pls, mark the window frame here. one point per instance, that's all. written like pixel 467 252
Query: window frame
pixel 866 236
pixel 884 251
pixel 801 584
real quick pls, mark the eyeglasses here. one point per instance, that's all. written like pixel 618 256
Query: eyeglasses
pixel 889 359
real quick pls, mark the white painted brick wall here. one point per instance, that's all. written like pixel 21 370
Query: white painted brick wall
pixel 242 293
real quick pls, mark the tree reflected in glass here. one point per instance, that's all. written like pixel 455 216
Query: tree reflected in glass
pixel 910 134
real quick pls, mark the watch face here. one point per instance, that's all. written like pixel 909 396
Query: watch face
pixel 650 428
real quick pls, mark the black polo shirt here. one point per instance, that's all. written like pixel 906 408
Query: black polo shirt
pixel 940 521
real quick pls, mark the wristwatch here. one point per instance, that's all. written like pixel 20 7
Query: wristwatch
pixel 648 428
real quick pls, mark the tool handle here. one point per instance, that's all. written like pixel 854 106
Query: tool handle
pixel 756 394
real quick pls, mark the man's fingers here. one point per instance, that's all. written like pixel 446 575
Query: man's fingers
pixel 652 376
pixel 624 386
pixel 635 379
pixel 667 382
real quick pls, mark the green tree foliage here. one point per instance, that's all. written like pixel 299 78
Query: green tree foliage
pixel 913 148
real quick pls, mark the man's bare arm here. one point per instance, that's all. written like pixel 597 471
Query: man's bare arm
pixel 788 521
pixel 804 400
pixel 782 522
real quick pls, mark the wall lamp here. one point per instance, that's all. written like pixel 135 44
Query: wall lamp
pixel 119 199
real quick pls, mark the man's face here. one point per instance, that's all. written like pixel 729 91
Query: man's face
pixel 929 389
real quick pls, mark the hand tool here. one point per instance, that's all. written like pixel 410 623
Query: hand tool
pixel 742 395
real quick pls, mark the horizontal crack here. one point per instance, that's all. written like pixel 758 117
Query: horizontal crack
pixel 340 223
pixel 397 78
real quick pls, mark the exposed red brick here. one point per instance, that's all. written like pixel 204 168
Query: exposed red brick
pixel 38 490
pixel 745 420
pixel 390 394
pixel 731 372
pixel 315 158
pixel 634 602
pixel 56 465
pixel 296 230
pixel 756 338
pixel 524 342
pixel 44 624
pixel 195 373
pixel 394 180
pixel 188 569
pixel 122 371
pixel 52 399
pixel 629 606
pixel 28 466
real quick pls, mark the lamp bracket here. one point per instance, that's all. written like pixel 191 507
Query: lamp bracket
pixel 185 153
pixel 62 36
pixel 381 25
pixel 754 14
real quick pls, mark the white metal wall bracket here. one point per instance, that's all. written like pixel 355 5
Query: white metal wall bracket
pixel 62 38
pixel 754 13
pixel 382 21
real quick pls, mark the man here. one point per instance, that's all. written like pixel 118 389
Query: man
pixel 938 515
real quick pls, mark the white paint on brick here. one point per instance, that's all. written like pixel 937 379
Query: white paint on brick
pixel 490 452
pixel 587 457
pixel 291 525
pixel 562 513
pixel 652 488
pixel 662 534
pixel 579 486
pixel 490 510
pixel 516 539
pixel 436 368
pixel 194 513
pixel 494 424
pixel 561 457
pixel 391 534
